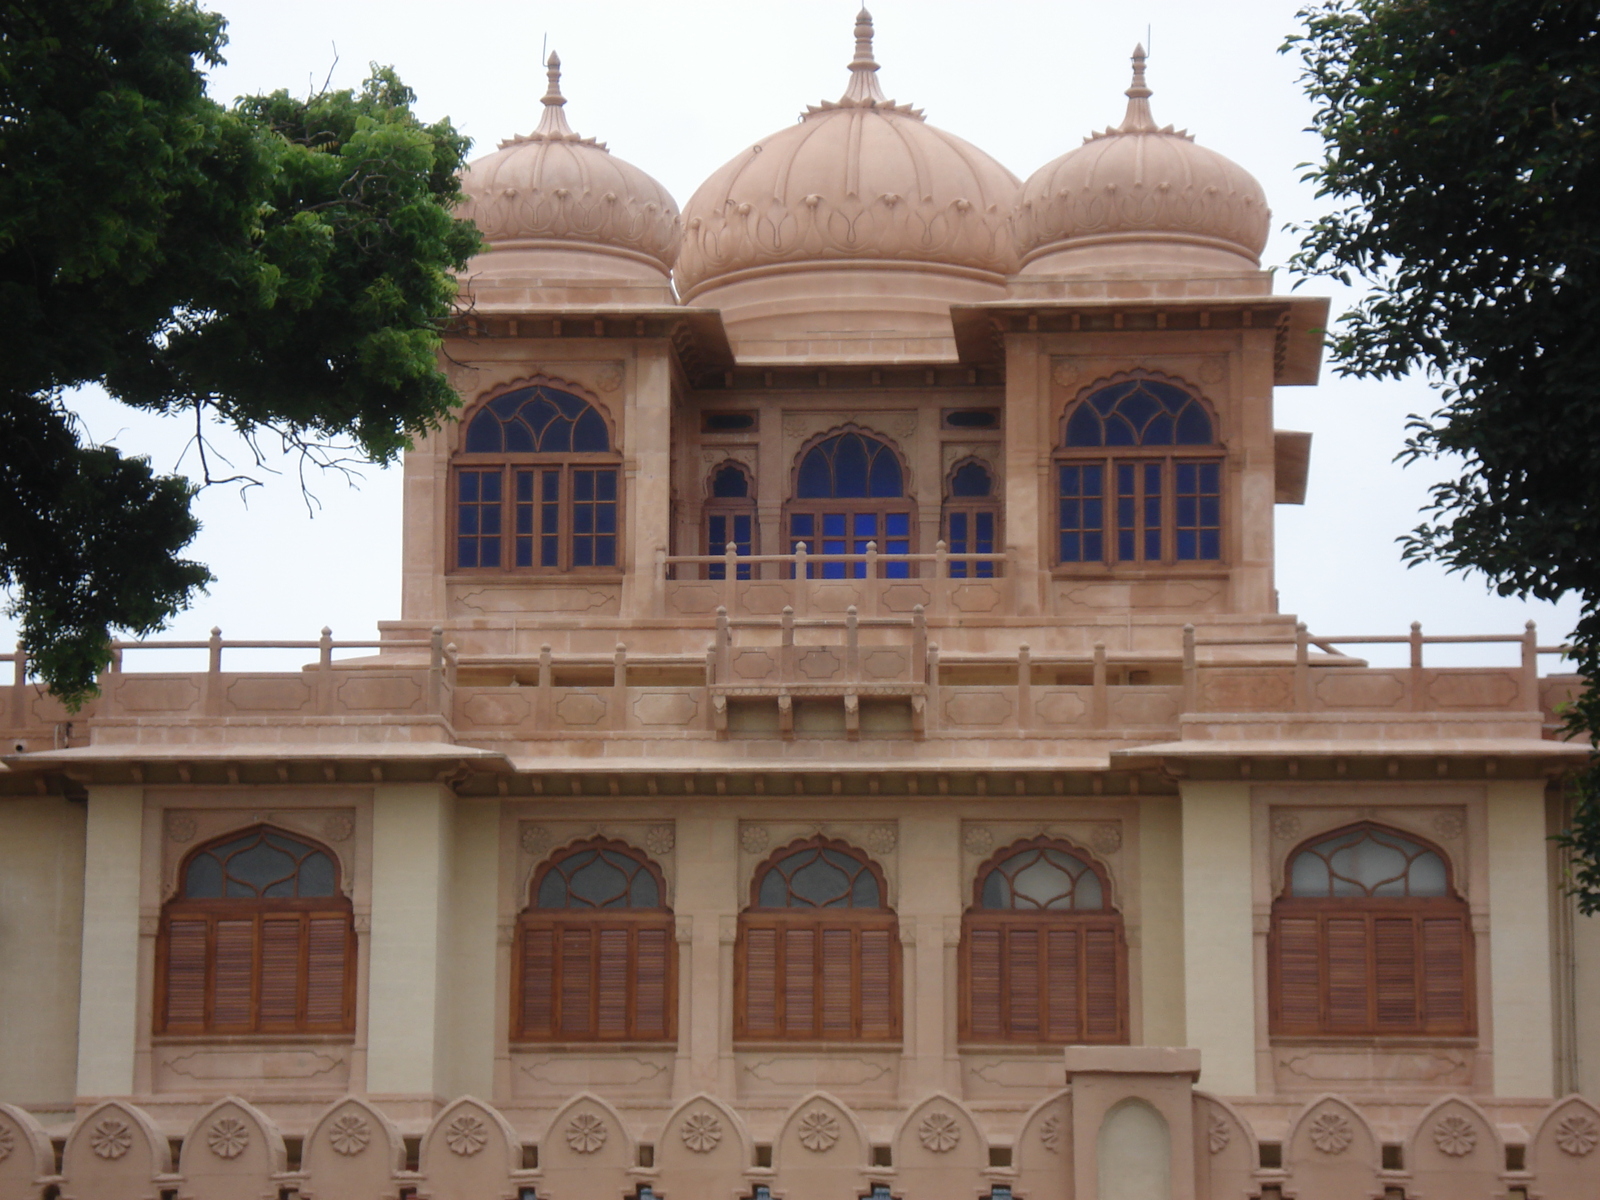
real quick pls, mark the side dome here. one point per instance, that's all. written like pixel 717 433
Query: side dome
pixel 876 220
pixel 1139 196
pixel 556 206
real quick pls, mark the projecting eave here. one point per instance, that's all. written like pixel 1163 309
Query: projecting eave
pixel 697 333
pixel 1457 757
pixel 1300 323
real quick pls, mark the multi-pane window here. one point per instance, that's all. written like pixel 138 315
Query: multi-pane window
pixel 730 518
pixel 1043 957
pixel 971 519
pixel 1369 938
pixel 594 955
pixel 1139 477
pixel 536 486
pixel 259 939
pixel 817 957
pixel 850 490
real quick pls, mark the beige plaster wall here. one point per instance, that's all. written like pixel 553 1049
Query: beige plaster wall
pixel 1519 940
pixel 1218 943
pixel 470 950
pixel 408 1036
pixel 108 1005
pixel 41 917
pixel 1161 951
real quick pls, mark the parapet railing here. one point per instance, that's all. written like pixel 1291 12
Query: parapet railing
pixel 798 576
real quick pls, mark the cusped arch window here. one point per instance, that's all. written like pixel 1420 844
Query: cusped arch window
pixel 1370 938
pixel 971 518
pixel 817 954
pixel 1139 476
pixel 258 939
pixel 730 517
pixel 536 485
pixel 594 954
pixel 849 489
pixel 1043 953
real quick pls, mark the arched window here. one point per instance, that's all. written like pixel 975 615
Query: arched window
pixel 594 955
pixel 730 517
pixel 536 486
pixel 259 939
pixel 1370 938
pixel 1043 957
pixel 818 950
pixel 971 518
pixel 849 489
pixel 1139 476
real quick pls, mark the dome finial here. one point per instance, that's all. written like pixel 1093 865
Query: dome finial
pixel 864 87
pixel 1138 118
pixel 554 122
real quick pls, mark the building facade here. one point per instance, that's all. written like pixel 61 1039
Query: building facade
pixel 840 740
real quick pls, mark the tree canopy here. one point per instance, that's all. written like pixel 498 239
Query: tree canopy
pixel 1462 142
pixel 281 264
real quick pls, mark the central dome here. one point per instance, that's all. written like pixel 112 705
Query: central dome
pixel 876 220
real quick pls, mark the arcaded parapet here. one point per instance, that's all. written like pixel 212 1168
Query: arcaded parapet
pixel 587 1150
pixel 939 1147
pixel 231 1152
pixel 353 1151
pixel 822 1151
pixel 1332 1152
pixel 469 1152
pixel 1456 1151
pixel 25 1152
pixel 115 1150
pixel 704 1150
pixel 1226 1154
pixel 1564 1155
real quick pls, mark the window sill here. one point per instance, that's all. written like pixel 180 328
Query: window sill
pixel 525 576
pixel 1368 1041
pixel 252 1039
pixel 805 1046
pixel 525 1046
pixel 1164 571
pixel 1036 1049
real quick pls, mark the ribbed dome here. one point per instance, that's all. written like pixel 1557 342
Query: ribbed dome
pixel 1144 196
pixel 553 187
pixel 856 180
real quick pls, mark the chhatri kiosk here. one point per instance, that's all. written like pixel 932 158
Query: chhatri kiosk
pixel 840 740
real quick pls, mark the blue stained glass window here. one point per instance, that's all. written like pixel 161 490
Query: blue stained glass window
pixel 1197 508
pixel 730 482
pixel 478 518
pixel 725 527
pixel 1082 513
pixel 537 420
pixel 1139 412
pixel 849 466
pixel 971 479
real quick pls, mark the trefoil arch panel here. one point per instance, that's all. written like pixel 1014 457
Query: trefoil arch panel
pixel 848 487
pixel 730 516
pixel 971 518
pixel 595 957
pixel 1044 956
pixel 817 953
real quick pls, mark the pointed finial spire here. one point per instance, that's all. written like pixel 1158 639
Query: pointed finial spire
pixel 554 122
pixel 864 87
pixel 1138 118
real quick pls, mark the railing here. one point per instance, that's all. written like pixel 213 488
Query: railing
pixel 800 578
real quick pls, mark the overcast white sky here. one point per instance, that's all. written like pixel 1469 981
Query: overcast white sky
pixel 679 88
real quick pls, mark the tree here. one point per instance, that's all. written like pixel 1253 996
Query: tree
pixel 1463 139
pixel 282 265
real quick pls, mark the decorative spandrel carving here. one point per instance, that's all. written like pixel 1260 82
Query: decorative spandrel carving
pixel 977 839
pixel 819 1131
pixel 349 1134
pixel 939 1133
pixel 1577 1135
pixel 110 1138
pixel 466 1135
pixel 1330 1133
pixel 701 1132
pixel 1218 1135
pixel 1455 1136
pixel 181 827
pixel 1050 1133
pixel 228 1137
pixel 586 1133
pixel 535 839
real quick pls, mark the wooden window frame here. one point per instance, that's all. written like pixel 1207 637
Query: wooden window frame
pixel 879 507
pixel 972 507
pixel 1091 1025
pixel 1449 913
pixel 819 922
pixel 508 465
pixel 633 922
pixel 728 507
pixel 1167 459
pixel 259 912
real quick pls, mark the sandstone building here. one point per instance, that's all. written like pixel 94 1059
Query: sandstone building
pixel 839 741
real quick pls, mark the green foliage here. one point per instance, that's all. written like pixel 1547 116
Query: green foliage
pixel 1463 139
pixel 283 265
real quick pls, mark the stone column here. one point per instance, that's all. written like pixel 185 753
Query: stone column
pixel 1218 934
pixel 1161 920
pixel 705 900
pixel 930 897
pixel 1027 451
pixel 647 448
pixel 1132 1122
pixel 108 1002
pixel 476 1011
pixel 1521 1006
pixel 409 973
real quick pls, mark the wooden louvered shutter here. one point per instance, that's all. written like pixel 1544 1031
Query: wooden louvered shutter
pixel 1394 975
pixel 799 982
pixel 1063 1014
pixel 327 970
pixel 1022 984
pixel 1444 975
pixel 577 990
pixel 1299 973
pixel 611 982
pixel 1348 978
pixel 537 1018
pixel 761 982
pixel 983 982
pixel 876 984
pixel 185 1000
pixel 652 978
pixel 280 969
pixel 1102 991
pixel 837 982
pixel 233 990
